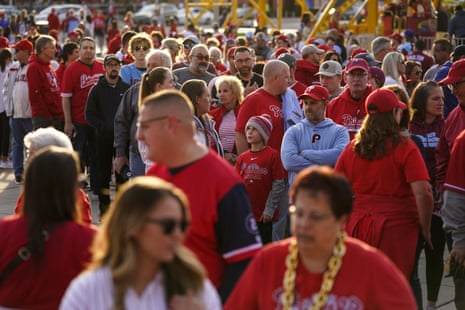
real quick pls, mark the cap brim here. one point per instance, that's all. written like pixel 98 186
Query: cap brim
pixel 326 73
pixel 358 67
pixel 402 105
pixel 309 96
pixel 447 81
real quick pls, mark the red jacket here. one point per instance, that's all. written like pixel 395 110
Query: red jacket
pixel 453 126
pixel 44 90
pixel 455 177
pixel 305 72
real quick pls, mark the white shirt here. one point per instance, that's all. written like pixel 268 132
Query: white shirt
pixel 94 290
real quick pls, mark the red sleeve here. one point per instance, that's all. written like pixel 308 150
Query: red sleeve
pixel 84 205
pixel 34 83
pixel 67 87
pixel 246 111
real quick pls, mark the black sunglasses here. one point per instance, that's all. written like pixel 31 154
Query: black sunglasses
pixel 138 48
pixel 202 57
pixel 168 225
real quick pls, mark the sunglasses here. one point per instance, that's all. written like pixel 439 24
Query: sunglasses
pixel 168 225
pixel 202 57
pixel 138 48
pixel 188 45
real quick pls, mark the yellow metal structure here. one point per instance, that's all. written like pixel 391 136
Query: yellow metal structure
pixel 256 6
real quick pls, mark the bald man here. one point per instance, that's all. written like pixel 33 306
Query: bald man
pixel 198 64
pixel 223 233
pixel 265 100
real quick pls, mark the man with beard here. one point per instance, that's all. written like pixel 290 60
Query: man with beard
pixel 78 79
pixel 198 64
pixel 102 104
pixel 244 60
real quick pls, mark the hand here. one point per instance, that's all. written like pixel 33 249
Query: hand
pixel 119 163
pixel 458 254
pixel 265 218
pixel 231 158
pixel 250 88
pixel 69 129
pixel 187 302
pixel 427 236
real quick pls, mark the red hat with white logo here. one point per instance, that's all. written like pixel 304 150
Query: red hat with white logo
pixel 316 92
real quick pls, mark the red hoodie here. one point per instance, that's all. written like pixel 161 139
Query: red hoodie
pixel 305 72
pixel 44 90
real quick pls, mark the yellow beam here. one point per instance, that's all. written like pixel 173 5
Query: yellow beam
pixel 323 19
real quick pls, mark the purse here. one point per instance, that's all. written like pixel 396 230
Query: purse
pixel 24 254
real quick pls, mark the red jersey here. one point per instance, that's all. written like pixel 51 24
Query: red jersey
pixel 367 280
pixel 261 102
pixel 42 286
pixel 259 170
pixel 223 230
pixel 348 112
pixel 78 79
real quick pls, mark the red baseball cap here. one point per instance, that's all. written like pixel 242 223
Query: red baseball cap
pixel 73 33
pixel 281 50
pixel 23 45
pixel 4 42
pixel 315 92
pixel 358 51
pixel 396 36
pixel 283 37
pixel 231 52
pixel 357 63
pixel 382 100
pixel 456 73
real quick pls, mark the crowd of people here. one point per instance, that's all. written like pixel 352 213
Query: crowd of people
pixel 211 137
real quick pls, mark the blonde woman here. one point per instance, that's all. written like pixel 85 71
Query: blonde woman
pixel 230 93
pixel 393 67
pixel 172 46
pixel 138 257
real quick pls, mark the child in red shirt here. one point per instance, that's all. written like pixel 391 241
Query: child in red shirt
pixel 261 169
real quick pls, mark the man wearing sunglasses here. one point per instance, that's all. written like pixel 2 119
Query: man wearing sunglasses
pixel 198 65
pixel 223 233
pixel 139 47
pixel 187 44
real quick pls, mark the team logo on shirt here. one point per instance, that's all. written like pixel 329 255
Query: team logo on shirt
pixel 89 80
pixel 251 224
pixel 334 301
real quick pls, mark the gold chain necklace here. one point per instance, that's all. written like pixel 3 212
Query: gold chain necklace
pixel 334 264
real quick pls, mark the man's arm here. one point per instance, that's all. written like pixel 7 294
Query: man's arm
pixel 241 143
pixel 69 127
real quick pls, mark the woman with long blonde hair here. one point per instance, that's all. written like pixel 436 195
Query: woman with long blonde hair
pixel 393 67
pixel 138 256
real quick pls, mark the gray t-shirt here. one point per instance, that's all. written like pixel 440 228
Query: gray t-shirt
pixel 183 74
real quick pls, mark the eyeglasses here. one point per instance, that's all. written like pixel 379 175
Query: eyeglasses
pixel 188 45
pixel 246 60
pixel 138 48
pixel 357 75
pixel 312 216
pixel 202 57
pixel 455 85
pixel 168 225
pixel 147 121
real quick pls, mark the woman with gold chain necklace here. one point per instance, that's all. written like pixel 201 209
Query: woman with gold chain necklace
pixel 320 267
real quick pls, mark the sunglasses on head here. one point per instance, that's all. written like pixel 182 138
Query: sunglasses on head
pixel 138 48
pixel 168 225
pixel 188 45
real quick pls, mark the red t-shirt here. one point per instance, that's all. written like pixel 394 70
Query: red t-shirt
pixel 388 176
pixel 42 286
pixel 348 112
pixel 455 177
pixel 259 170
pixel 78 79
pixel 367 280
pixel 261 102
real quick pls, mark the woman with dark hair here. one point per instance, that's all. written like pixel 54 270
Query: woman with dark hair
pixel 138 256
pixel 69 54
pixel 46 247
pixel 393 198
pixel 5 59
pixel 316 268
pixel 157 79
pixel 413 74
pixel 427 103
pixel 197 91
pixel 332 55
